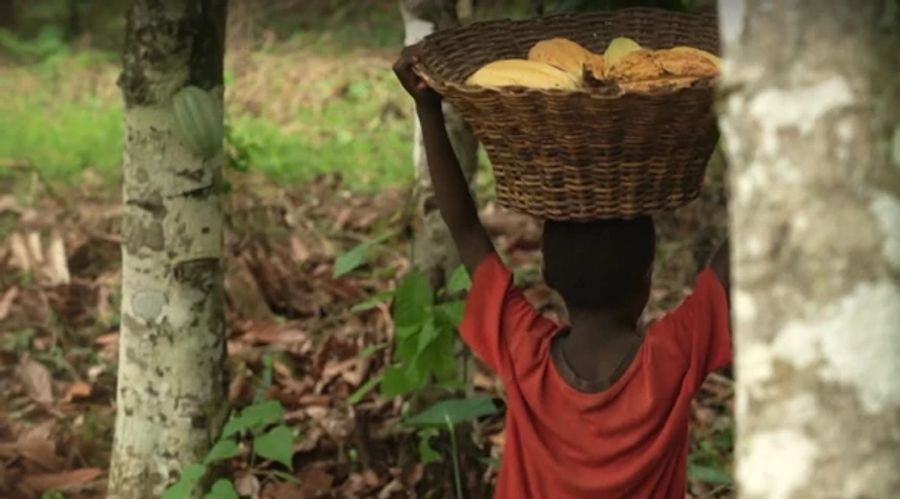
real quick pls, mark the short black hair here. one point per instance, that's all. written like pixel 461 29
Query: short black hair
pixel 599 264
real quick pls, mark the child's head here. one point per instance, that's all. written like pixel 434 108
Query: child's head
pixel 601 265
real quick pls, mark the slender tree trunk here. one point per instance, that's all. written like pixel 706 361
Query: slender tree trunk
pixel 171 386
pixel 434 250
pixel 8 14
pixel 811 120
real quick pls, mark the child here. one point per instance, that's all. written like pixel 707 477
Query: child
pixel 600 408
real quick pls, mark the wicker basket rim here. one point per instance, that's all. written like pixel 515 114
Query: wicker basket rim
pixel 702 84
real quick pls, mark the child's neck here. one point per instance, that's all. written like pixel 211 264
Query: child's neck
pixel 596 327
pixel 599 342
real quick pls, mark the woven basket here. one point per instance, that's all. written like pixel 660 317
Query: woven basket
pixel 585 154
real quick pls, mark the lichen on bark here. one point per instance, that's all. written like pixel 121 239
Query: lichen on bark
pixel 810 104
pixel 171 381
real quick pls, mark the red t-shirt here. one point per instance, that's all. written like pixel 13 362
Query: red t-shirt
pixel 627 441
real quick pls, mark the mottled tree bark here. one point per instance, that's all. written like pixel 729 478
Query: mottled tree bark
pixel 434 250
pixel 7 14
pixel 171 386
pixel 811 120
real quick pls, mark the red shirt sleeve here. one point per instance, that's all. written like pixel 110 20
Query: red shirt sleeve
pixel 701 328
pixel 499 324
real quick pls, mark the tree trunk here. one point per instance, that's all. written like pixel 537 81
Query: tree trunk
pixel 811 120
pixel 171 382
pixel 8 14
pixel 434 250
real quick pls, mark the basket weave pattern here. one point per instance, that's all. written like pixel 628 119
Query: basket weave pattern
pixel 585 154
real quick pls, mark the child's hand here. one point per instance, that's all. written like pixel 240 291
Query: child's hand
pixel 422 94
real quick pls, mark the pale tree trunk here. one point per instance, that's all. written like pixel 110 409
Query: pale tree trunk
pixel 434 250
pixel 171 383
pixel 811 121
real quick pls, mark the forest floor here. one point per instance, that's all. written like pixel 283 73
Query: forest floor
pixel 293 334
pixel 324 132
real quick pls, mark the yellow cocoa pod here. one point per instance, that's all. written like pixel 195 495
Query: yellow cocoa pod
pixel 561 53
pixel 596 65
pixel 637 65
pixel 524 73
pixel 658 84
pixel 618 48
pixel 693 50
pixel 682 62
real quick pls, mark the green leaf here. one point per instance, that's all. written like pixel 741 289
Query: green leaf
pixel 426 336
pixel 222 489
pixel 179 490
pixel 361 392
pixel 356 256
pixel 222 451
pixel 277 445
pixel 254 417
pixel 193 472
pixel 369 350
pixel 427 454
pixel 372 302
pixel 185 485
pixel 413 300
pixel 459 281
pixel 396 382
pixel 451 314
pixel 351 260
pixel 287 477
pixel 453 412
pixel 708 474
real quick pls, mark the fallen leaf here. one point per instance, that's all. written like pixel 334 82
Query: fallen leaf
pixel 313 482
pixel 78 390
pixel 7 301
pixel 38 446
pixel 65 481
pixel 351 370
pixel 37 380
pixel 299 251
pixel 247 485
pixel 57 269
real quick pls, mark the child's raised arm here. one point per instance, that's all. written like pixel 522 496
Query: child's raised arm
pixel 450 187
pixel 722 267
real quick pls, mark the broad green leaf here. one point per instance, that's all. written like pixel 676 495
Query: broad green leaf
pixel 222 489
pixel 426 336
pixel 459 281
pixel 193 472
pixel 263 413
pixel 407 348
pixel 277 445
pixel 413 300
pixel 453 412
pixel 361 392
pixel 708 474
pixel 351 260
pixel 179 490
pixel 185 485
pixel 427 454
pixel 408 331
pixel 223 450
pixel 235 424
pixel 451 314
pixel 254 417
pixel 396 382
